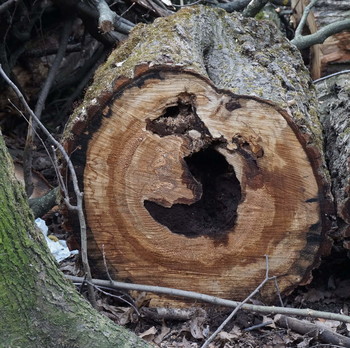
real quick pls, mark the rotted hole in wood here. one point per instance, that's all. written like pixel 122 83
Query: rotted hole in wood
pixel 215 213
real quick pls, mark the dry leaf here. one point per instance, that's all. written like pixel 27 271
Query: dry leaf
pixel 149 334
pixel 196 327
pixel 164 331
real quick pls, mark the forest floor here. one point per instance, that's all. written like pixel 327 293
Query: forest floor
pixel 190 327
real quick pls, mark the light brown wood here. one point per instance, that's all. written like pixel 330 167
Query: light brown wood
pixel 129 165
pixel 189 185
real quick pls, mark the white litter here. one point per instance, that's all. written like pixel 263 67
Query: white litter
pixel 58 249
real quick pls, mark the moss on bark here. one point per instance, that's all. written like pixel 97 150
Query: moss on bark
pixel 38 307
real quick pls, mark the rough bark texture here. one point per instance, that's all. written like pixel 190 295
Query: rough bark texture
pixel 39 308
pixel 188 184
pixel 334 96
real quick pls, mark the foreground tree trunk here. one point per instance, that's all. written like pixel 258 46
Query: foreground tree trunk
pixel 199 151
pixel 39 308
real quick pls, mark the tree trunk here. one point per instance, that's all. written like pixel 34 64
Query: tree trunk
pixel 199 151
pixel 334 96
pixel 39 308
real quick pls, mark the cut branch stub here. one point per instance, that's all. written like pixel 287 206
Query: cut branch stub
pixel 188 186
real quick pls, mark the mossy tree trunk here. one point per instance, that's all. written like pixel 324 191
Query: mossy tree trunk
pixel 38 307
pixel 199 151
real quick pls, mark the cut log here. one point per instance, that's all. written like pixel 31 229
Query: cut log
pixel 199 151
pixel 334 96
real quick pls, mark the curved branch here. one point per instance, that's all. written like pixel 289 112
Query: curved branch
pixel 320 36
pixel 6 5
pixel 303 19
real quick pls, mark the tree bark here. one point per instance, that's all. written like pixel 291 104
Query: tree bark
pixel 334 96
pixel 199 151
pixel 39 308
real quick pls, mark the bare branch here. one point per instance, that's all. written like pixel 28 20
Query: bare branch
pixel 303 19
pixel 312 330
pixel 260 286
pixel 254 8
pixel 6 5
pixel 215 300
pixel 42 205
pixel 239 5
pixel 28 156
pixel 106 15
pixel 321 35
pixel 120 24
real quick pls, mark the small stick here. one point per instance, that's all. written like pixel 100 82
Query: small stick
pixel 258 326
pixel 312 330
pixel 267 278
pixel 105 263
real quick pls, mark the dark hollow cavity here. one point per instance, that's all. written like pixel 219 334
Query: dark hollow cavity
pixel 216 211
pixel 178 119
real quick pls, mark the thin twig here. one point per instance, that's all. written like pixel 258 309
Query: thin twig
pixel 28 149
pixel 278 292
pixel 216 300
pixel 301 25
pixel 105 263
pixel 225 322
pixel 115 296
pixel 79 195
pixel 258 326
pixel 331 75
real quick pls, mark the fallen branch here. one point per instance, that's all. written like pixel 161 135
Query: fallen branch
pixel 42 205
pixel 301 25
pixel 79 195
pixel 254 7
pixel 320 36
pixel 234 312
pixel 106 15
pixel 215 300
pixel 312 330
